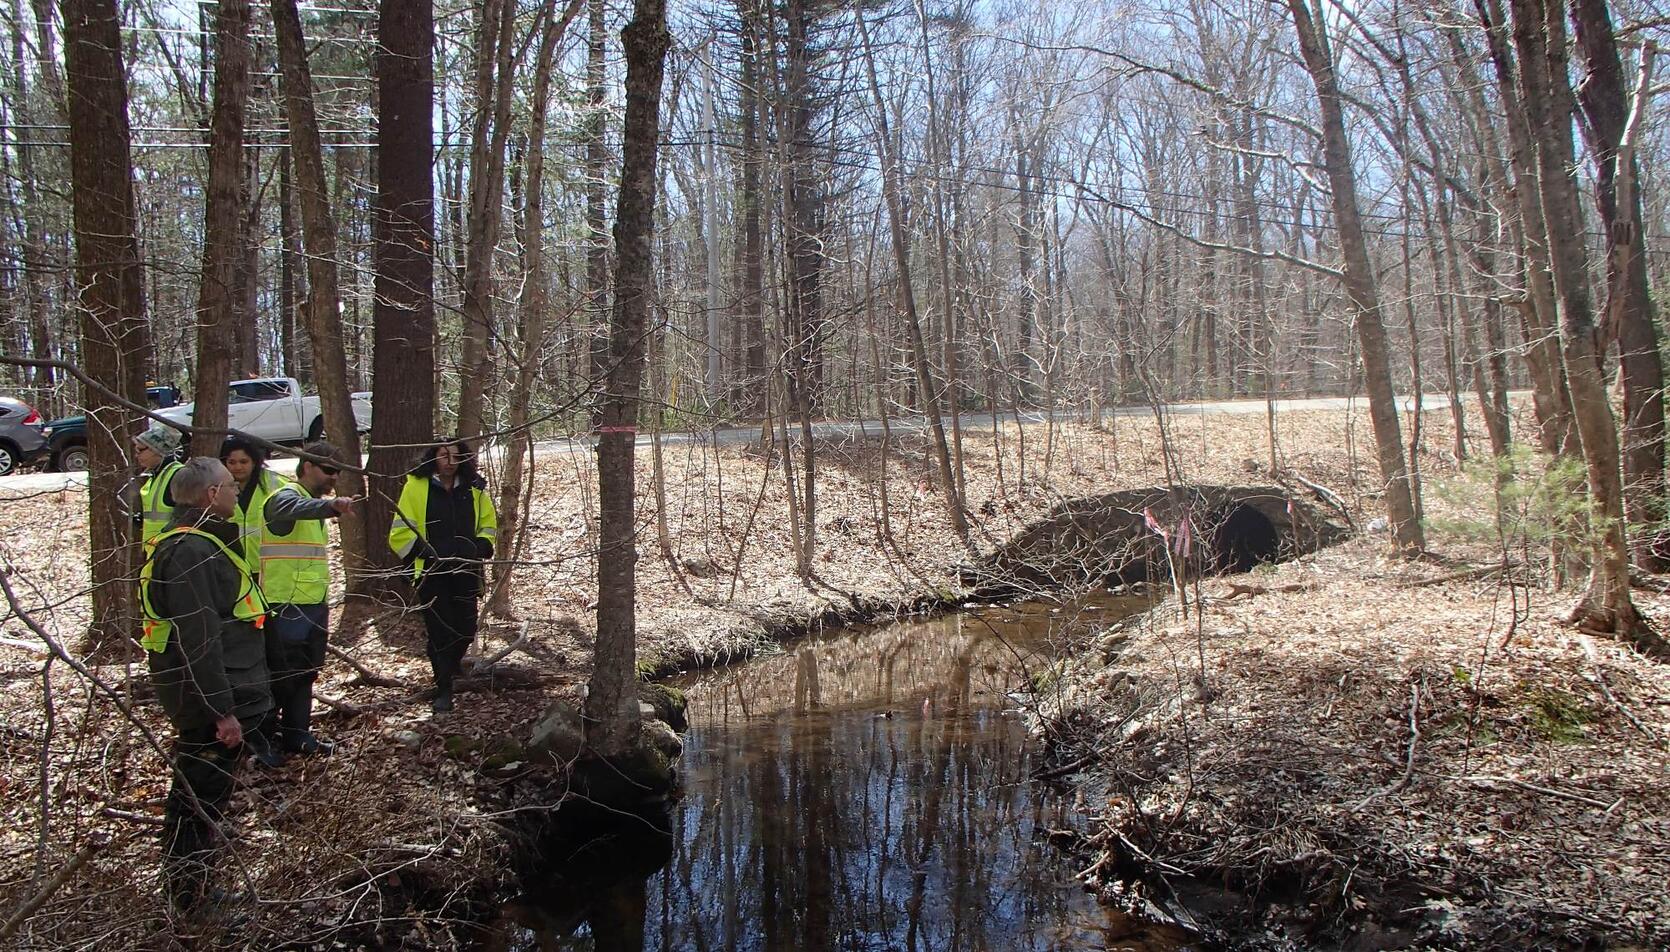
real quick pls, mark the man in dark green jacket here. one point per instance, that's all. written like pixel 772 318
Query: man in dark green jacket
pixel 203 615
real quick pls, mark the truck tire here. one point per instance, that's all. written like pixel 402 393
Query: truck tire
pixel 316 430
pixel 74 459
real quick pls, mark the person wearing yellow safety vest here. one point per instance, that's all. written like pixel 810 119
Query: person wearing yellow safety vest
pixel 296 578
pixel 444 528
pixel 153 454
pixel 247 461
pixel 203 614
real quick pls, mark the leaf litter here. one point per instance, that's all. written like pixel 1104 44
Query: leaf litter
pixel 1358 756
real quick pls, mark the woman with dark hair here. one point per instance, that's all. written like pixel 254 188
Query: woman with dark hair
pixel 444 528
pixel 247 462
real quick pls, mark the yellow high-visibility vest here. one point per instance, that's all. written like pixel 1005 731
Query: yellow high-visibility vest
pixel 411 519
pixel 154 512
pixel 251 605
pixel 252 521
pixel 295 566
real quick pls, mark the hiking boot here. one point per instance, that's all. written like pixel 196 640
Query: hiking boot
pixel 268 757
pixel 442 702
pixel 310 746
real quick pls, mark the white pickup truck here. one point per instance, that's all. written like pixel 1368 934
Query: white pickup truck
pixel 275 409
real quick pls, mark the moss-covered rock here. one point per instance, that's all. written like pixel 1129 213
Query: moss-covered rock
pixel 643 776
pixel 500 751
pixel 558 738
pixel 668 702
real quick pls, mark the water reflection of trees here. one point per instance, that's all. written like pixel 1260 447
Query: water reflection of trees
pixel 854 794
pixel 865 791
pixel 906 662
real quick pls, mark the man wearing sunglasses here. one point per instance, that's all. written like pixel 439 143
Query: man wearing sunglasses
pixel 296 576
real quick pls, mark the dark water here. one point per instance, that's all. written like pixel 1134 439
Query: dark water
pixel 863 790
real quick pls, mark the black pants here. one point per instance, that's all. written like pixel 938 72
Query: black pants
pixel 203 769
pixel 450 602
pixel 296 636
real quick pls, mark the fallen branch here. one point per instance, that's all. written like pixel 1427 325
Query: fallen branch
pixel 1651 583
pixel 1600 678
pixel 1056 773
pixel 1328 497
pixel 1463 575
pixel 29 646
pixel 1546 791
pixel 131 816
pixel 1138 852
pixel 339 705
pixel 58 879
pixel 1414 732
pixel 346 709
pixel 1237 589
pixel 1409 752
pixel 485 663
pixel 366 674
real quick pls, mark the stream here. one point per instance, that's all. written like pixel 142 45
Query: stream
pixel 867 788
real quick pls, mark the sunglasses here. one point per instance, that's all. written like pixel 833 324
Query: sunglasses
pixel 329 470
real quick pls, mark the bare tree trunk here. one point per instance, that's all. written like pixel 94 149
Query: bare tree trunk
pixel 115 342
pixel 1359 281
pixel 804 224
pixel 495 81
pixel 1026 240
pixel 403 257
pixel 884 521
pixel 1551 394
pixel 35 258
pixel 929 394
pixel 936 153
pixel 1615 116
pixel 1540 37
pixel 534 305
pixel 751 296
pixel 218 309
pixel 612 703
pixel 246 277
pixel 596 340
pixel 324 299
pixel 289 344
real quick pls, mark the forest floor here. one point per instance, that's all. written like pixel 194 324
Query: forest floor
pixel 1529 791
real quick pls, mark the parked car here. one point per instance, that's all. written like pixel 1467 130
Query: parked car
pixel 67 436
pixel 275 409
pixel 21 439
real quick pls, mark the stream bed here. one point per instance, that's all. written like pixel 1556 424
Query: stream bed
pixel 868 788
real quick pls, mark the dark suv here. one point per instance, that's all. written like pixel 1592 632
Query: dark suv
pixel 66 437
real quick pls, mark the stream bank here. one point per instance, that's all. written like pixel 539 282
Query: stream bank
pixel 1359 753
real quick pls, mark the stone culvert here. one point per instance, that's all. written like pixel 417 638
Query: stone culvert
pixel 1112 539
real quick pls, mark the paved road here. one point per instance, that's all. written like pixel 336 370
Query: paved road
pixel 28 484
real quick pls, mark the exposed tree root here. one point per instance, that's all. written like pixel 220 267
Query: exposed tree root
pixel 1593 617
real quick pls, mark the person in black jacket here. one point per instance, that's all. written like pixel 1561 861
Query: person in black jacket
pixel 444 527
pixel 203 613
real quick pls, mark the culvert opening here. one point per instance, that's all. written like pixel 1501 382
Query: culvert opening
pixel 1125 537
pixel 1242 538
